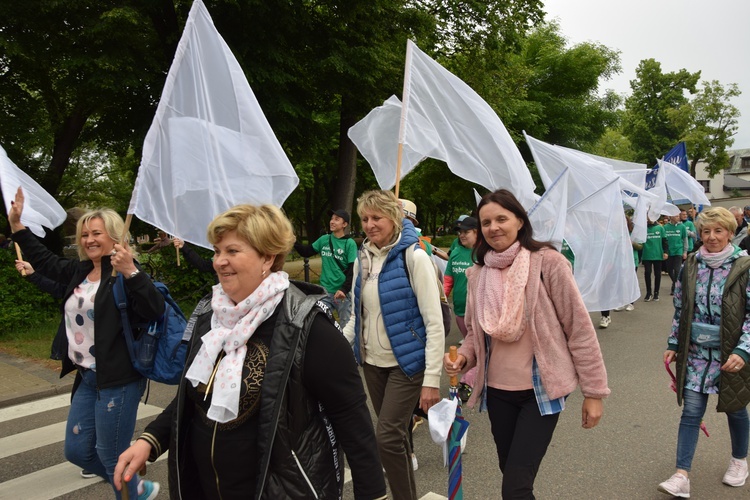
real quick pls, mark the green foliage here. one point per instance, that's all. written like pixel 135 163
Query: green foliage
pixel 614 144
pixel 709 121
pixel 22 304
pixel 444 241
pixel 186 283
pixel 648 121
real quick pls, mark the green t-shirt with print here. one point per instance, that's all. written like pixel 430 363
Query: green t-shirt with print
pixel 652 248
pixel 458 263
pixel 676 234
pixel 344 251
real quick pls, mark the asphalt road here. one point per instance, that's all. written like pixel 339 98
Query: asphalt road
pixel 625 457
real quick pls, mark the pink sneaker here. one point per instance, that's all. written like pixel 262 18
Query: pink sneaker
pixel 677 486
pixel 736 473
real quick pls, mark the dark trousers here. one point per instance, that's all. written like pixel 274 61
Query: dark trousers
pixel 522 436
pixel 393 395
pixel 647 266
pixel 673 263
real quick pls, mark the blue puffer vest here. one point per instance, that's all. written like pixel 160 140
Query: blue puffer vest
pixel 398 305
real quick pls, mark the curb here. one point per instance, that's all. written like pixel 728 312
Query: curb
pixel 34 394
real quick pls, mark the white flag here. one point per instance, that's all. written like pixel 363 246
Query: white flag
pixel 595 226
pixel 548 215
pixel 210 146
pixel 468 134
pixel 682 186
pixel 376 138
pixel 40 209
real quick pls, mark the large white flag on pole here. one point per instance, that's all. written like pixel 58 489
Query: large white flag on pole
pixel 40 208
pixel 210 146
pixel 468 134
pixel 376 138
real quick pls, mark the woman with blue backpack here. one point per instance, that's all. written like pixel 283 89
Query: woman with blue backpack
pixel 107 388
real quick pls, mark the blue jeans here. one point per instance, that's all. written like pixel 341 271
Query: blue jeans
pixel 342 306
pixel 100 427
pixel 693 408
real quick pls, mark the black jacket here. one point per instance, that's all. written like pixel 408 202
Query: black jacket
pixel 145 304
pixel 298 375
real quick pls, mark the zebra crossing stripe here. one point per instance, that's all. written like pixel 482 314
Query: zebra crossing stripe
pixel 34 407
pixel 50 434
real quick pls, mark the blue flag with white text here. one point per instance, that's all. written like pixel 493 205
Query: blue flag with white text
pixel 678 156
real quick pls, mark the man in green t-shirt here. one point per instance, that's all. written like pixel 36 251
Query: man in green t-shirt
pixel 692 233
pixel 654 253
pixel 337 255
pixel 677 243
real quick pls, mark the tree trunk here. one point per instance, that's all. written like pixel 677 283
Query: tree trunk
pixel 693 164
pixel 66 139
pixel 343 195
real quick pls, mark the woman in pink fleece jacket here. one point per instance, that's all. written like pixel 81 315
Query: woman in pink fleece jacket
pixel 531 338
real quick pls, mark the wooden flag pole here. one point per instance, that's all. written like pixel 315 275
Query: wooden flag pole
pixel 124 238
pixel 398 166
pixel 18 254
pixel 404 107
pixel 178 256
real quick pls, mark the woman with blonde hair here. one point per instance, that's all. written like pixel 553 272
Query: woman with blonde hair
pixel 397 330
pixel 270 397
pixel 710 344
pixel 107 388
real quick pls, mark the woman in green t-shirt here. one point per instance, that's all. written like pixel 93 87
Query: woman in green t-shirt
pixel 455 279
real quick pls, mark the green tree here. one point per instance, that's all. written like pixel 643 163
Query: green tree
pixel 709 121
pixel 648 121
pixel 614 144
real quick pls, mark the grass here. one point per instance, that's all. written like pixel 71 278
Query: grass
pixel 32 342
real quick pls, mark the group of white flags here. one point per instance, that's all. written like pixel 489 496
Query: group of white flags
pixel 443 118
pixel 210 147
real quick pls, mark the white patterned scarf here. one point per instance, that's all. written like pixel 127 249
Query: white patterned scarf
pixel 232 325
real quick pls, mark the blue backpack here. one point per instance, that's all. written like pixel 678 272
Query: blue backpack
pixel 160 351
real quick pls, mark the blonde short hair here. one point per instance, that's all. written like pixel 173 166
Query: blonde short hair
pixel 264 227
pixel 384 202
pixel 113 225
pixel 716 216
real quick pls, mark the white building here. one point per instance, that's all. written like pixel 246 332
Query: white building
pixel 730 187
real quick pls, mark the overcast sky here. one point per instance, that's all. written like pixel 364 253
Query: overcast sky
pixel 712 36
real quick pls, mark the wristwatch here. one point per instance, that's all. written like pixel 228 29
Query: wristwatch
pixel 134 273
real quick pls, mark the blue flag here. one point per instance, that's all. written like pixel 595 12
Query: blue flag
pixel 678 156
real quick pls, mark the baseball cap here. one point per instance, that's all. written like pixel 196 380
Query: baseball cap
pixel 468 223
pixel 747 207
pixel 340 213
pixel 410 210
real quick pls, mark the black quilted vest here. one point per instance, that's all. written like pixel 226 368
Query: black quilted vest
pixel 734 388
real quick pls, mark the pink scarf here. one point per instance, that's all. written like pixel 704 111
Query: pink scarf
pixel 500 303
pixel 714 260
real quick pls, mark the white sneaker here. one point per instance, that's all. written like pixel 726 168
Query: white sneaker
pixel 736 473
pixel 618 309
pixel 629 307
pixel 677 486
pixel 414 463
pixel 605 321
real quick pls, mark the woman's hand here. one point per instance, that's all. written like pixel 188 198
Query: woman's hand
pixel 122 260
pixel 669 356
pixel 429 397
pixel 22 265
pixel 16 209
pixel 453 368
pixel 734 364
pixel 178 243
pixel 131 461
pixel 591 412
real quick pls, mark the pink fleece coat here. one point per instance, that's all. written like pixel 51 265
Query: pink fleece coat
pixel 565 344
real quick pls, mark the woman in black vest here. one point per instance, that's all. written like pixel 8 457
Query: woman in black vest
pixel 270 396
pixel 710 342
